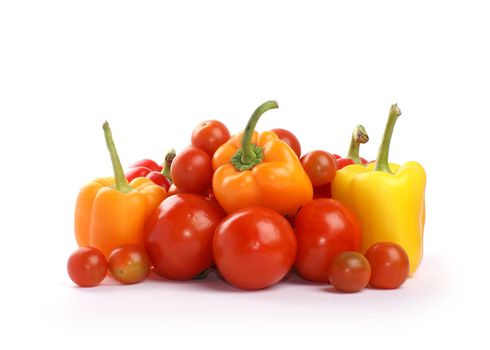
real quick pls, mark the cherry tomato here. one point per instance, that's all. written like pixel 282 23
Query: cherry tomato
pixel 349 272
pixel 254 248
pixel 192 171
pixel 179 235
pixel 87 266
pixel 320 166
pixel 129 264
pixel 159 179
pixel 209 135
pixel 389 265
pixel 147 163
pixel 324 228
pixel 290 139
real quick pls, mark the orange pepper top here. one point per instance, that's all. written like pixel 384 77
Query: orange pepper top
pixel 110 212
pixel 259 169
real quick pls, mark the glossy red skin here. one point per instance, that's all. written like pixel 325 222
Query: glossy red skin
pixel 320 166
pixel 87 266
pixel 254 248
pixel 147 163
pixel 192 171
pixel 288 137
pixel 179 235
pixel 209 135
pixel 343 162
pixel 324 228
pixel 389 265
pixel 159 179
pixel 138 171
pixel 173 190
pixel 349 272
pixel 129 264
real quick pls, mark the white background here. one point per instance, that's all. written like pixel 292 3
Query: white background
pixel 155 69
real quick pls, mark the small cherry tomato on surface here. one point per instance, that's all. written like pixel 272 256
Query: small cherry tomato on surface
pixel 129 264
pixel 209 135
pixel 290 139
pixel 192 171
pixel 389 265
pixel 349 272
pixel 324 228
pixel 254 248
pixel 87 266
pixel 320 166
pixel 179 235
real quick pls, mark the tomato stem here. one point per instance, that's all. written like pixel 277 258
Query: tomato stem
pixel 121 183
pixel 169 158
pixel 384 149
pixel 359 135
pixel 250 154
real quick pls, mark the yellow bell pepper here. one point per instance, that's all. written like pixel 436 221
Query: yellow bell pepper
pixel 389 199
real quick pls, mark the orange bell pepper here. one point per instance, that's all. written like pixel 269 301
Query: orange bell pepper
pixel 259 169
pixel 110 212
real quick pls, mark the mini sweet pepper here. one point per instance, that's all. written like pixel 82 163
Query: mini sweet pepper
pixel 389 199
pixel 259 169
pixel 110 211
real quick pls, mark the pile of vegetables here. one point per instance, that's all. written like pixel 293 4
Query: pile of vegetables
pixel 251 206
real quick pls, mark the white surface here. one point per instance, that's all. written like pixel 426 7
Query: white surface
pixel 155 70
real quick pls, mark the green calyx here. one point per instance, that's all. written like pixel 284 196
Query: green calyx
pixel 384 149
pixel 249 155
pixel 359 135
pixel 169 158
pixel 121 183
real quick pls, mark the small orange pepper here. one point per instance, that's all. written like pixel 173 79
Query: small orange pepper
pixel 110 211
pixel 259 169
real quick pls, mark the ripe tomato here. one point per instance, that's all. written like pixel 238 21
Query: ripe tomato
pixel 209 135
pixel 389 265
pixel 324 228
pixel 179 235
pixel 323 191
pixel 290 139
pixel 320 166
pixel 87 266
pixel 129 264
pixel 254 248
pixel 349 272
pixel 192 171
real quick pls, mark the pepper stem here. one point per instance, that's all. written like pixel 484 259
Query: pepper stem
pixel 121 183
pixel 249 155
pixel 384 149
pixel 169 158
pixel 359 135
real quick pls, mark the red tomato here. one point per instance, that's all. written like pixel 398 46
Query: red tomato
pixel 192 171
pixel 349 272
pixel 179 235
pixel 323 191
pixel 254 248
pixel 389 265
pixel 324 228
pixel 87 266
pixel 209 135
pixel 173 190
pixel 290 139
pixel 320 166
pixel 129 264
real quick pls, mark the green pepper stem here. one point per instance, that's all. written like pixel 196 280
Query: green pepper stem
pixel 169 158
pixel 250 154
pixel 359 135
pixel 121 183
pixel 384 149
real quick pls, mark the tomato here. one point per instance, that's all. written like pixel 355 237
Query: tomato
pixel 87 266
pixel 290 139
pixel 254 248
pixel 324 228
pixel 349 272
pixel 173 190
pixel 323 191
pixel 209 135
pixel 320 166
pixel 192 171
pixel 179 235
pixel 389 265
pixel 129 264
